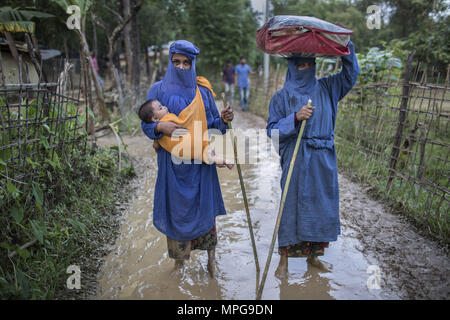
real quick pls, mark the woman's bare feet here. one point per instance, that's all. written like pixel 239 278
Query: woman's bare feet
pixel 322 266
pixel 211 262
pixel 282 270
pixel 177 270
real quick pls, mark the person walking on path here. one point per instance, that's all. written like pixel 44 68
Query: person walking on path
pixel 229 81
pixel 96 69
pixel 241 79
pixel 310 218
pixel 187 196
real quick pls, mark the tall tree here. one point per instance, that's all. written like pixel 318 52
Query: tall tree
pixel 113 37
pixel 84 7
pixel 128 52
pixel 136 52
pixel 222 30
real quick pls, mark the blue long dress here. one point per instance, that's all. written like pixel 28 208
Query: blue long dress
pixel 187 196
pixel 311 211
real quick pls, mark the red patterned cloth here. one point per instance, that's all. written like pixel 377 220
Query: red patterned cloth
pixel 304 249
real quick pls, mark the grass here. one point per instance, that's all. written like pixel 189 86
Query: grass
pixel 70 213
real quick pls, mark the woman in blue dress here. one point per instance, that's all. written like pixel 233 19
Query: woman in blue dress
pixel 310 218
pixel 187 196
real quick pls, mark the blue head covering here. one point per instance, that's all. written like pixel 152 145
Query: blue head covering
pixel 179 81
pixel 300 81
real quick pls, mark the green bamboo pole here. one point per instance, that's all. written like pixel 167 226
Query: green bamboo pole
pixel 244 194
pixel 280 211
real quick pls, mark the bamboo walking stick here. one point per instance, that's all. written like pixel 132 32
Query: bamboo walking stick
pixel 244 194
pixel 280 211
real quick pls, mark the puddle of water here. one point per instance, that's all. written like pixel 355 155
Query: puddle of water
pixel 138 267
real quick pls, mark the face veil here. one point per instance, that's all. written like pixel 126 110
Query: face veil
pixel 177 81
pixel 300 81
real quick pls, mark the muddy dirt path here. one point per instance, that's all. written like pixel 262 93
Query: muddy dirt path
pixel 138 267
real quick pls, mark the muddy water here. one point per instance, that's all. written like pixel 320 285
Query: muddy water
pixel 138 266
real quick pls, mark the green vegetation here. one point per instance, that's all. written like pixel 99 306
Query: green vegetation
pixel 63 211
pixel 222 30
pixel 365 134
pixel 68 212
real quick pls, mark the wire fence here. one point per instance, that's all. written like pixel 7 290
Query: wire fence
pixel 395 136
pixel 39 121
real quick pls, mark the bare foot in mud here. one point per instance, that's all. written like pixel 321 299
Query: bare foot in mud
pixel 282 270
pixel 321 265
pixel 177 270
pixel 211 263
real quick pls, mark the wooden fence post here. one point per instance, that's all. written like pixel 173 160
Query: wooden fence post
pixel 401 118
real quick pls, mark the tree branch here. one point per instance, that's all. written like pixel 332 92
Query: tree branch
pixel 117 30
pixel 99 22
pixel 112 11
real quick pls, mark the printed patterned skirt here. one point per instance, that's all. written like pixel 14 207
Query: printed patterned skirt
pixel 181 250
pixel 304 249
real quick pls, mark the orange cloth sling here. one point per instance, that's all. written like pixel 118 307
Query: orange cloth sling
pixel 195 144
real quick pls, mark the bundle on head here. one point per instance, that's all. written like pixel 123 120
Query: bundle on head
pixel 302 36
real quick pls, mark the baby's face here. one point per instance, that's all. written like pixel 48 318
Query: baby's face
pixel 158 111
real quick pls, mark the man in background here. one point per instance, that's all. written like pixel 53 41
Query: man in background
pixel 96 69
pixel 241 75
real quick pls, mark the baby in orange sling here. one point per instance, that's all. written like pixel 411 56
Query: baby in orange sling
pixel 157 112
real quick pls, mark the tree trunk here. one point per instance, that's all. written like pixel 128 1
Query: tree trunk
pixel 98 89
pixel 147 64
pixel 66 48
pixel 127 41
pixel 87 92
pixel 136 50
pixel 112 52
pixel 94 37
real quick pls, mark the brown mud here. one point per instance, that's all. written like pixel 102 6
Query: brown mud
pixel 372 238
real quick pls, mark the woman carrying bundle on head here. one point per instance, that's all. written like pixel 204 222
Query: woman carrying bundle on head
pixel 309 213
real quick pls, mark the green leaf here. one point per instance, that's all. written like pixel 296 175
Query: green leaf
pixel 24 284
pixel 38 230
pixel 32 163
pixel 38 194
pixel 12 190
pixel 46 127
pixel 24 253
pixel 5 245
pixel 77 225
pixel 17 214
pixel 56 160
pixel 44 142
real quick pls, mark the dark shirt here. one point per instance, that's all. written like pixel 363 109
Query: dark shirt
pixel 228 75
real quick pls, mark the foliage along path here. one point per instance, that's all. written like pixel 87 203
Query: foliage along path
pixel 411 267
